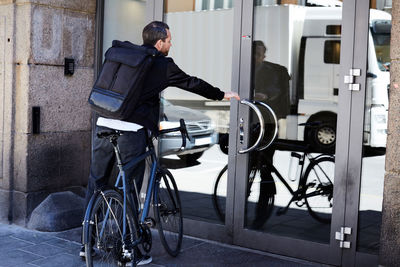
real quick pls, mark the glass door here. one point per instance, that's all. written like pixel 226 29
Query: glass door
pixel 290 192
pixel 201 46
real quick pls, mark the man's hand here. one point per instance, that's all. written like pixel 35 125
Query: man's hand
pixel 229 95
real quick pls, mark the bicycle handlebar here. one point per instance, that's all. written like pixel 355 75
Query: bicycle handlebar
pixel 182 128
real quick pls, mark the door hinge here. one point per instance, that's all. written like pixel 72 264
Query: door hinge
pixel 349 79
pixel 341 236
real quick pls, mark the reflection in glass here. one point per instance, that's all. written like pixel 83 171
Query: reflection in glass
pixel 200 48
pixel 375 129
pixel 295 70
pixel 123 20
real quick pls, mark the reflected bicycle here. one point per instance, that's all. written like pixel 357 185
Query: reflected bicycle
pixel 314 188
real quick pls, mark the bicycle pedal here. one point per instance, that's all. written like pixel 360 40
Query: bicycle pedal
pixel 149 222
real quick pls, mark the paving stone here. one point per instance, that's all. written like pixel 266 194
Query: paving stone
pixel 71 235
pixel 60 260
pixel 45 250
pixel 68 246
pixel 33 236
pixel 12 258
pixel 208 254
pixel 61 249
pixel 10 243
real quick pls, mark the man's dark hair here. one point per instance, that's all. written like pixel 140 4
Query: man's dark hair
pixel 154 31
pixel 258 43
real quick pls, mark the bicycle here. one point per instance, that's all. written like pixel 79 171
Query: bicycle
pixel 112 227
pixel 315 186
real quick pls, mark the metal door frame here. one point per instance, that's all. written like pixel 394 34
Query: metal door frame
pixel 203 229
pixel 350 256
pixel 327 253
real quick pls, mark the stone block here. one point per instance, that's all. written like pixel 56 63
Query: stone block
pixel 59 211
pixel 24 203
pixel 395 32
pixel 23 30
pixel 6 2
pixel 19 202
pixel 47 36
pixel 78 37
pixel 389 253
pixel 21 89
pixel 59 33
pixel 19 163
pixel 87 6
pixel 4 205
pixel 62 99
pixel 393 139
pixel 58 160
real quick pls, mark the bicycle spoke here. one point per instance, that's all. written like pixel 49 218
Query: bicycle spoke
pixel 319 188
pixel 107 236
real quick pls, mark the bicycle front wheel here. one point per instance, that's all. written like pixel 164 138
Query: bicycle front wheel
pixel 107 241
pixel 319 188
pixel 168 213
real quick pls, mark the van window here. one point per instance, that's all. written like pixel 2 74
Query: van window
pixel 332 52
pixel 334 29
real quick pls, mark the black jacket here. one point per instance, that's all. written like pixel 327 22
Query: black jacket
pixel 165 73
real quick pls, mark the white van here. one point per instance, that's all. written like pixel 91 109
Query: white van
pixel 306 40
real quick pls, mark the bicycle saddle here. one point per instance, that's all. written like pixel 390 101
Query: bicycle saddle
pixel 118 125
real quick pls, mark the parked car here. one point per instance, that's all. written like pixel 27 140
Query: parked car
pixel 199 126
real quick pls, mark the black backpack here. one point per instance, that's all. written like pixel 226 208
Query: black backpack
pixel 120 82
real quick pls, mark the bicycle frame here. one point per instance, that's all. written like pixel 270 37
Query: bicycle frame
pixel 302 181
pixel 121 177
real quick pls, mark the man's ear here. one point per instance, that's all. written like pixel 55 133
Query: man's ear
pixel 158 45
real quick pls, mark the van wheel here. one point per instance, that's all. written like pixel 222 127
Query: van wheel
pixel 322 137
pixel 191 157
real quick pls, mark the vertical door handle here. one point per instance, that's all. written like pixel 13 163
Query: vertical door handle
pixel 275 122
pixel 253 106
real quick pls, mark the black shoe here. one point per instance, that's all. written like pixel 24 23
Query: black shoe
pixel 82 252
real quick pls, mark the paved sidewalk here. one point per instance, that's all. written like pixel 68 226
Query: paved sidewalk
pixel 22 247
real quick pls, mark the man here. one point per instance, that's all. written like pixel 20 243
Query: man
pixel 163 73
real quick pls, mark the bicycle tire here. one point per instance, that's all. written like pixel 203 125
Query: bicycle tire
pixel 219 201
pixel 168 212
pixel 108 247
pixel 265 203
pixel 319 188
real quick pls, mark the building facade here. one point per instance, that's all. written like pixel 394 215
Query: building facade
pixel 338 68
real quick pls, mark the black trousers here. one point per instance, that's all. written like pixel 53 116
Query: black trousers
pixel 131 144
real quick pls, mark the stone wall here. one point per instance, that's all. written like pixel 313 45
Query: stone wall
pixel 36 36
pixel 390 233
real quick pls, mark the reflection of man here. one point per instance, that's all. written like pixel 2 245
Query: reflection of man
pixel 271 86
pixel 271 82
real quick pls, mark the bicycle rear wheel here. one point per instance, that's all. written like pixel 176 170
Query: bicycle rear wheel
pixel 168 213
pixel 319 188
pixel 259 200
pixel 106 227
pixel 219 195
